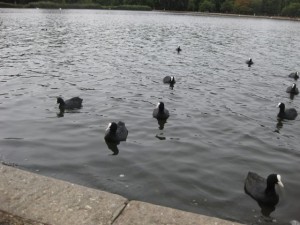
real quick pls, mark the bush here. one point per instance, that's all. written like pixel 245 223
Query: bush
pixel 8 5
pixel 227 6
pixel 292 10
pixel 132 7
pixel 52 5
pixel 246 10
pixel 46 5
pixel 82 6
pixel 207 6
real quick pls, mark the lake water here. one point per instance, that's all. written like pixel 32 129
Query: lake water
pixel 223 114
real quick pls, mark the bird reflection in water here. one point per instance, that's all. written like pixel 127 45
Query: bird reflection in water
pixel 113 147
pixel 161 123
pixel 61 113
pixel 279 125
pixel 292 95
pixel 171 86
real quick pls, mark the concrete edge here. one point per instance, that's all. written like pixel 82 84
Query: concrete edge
pixel 32 199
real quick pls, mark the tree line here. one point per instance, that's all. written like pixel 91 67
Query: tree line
pixel 289 8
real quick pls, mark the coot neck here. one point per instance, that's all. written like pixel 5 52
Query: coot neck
pixel 270 188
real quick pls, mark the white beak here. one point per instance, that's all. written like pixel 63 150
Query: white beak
pixel 108 127
pixel 279 181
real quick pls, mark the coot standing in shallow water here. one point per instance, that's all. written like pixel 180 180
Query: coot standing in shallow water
pixel 263 190
pixel 73 103
pixel 289 114
pixel 160 112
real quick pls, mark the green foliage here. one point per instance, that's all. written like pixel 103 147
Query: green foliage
pixel 242 9
pixel 227 6
pixel 271 7
pixel 8 5
pixel 132 7
pixel 47 5
pixel 101 2
pixel 82 6
pixel 259 7
pixel 192 6
pixel 207 6
pixel 256 5
pixel 292 10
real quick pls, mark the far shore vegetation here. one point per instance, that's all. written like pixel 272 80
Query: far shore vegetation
pixel 285 8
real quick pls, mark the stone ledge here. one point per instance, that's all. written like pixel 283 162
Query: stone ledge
pixel 31 199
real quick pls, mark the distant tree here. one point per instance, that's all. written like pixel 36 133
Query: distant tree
pixel 192 6
pixel 138 2
pixel 271 7
pixel 207 6
pixel 256 5
pixel 116 2
pixel 8 1
pixel 100 2
pixel 227 6
pixel 292 10
pixel 242 7
pixel 218 4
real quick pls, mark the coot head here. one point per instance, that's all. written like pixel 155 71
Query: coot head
pixel 161 106
pixel 172 81
pixel 281 106
pixel 60 101
pixel 271 181
pixel 112 127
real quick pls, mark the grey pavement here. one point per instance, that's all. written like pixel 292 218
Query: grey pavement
pixel 31 199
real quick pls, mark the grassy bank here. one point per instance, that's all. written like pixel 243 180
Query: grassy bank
pixel 53 5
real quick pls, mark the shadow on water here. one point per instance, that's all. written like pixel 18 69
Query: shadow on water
pixel 113 147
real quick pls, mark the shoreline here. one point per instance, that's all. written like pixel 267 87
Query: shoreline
pixel 230 15
pixel 136 8
pixel 32 199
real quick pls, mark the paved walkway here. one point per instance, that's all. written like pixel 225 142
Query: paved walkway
pixel 31 199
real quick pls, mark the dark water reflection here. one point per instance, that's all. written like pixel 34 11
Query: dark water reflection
pixel 113 147
pixel 222 112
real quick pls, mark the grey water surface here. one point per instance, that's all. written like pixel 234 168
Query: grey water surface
pixel 223 114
